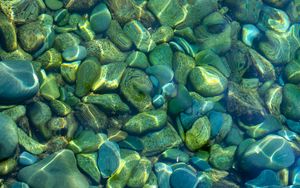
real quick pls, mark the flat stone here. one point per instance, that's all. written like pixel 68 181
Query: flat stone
pixel 100 18
pixel 26 158
pixel 74 53
pixel 8 135
pixel 183 178
pixel 63 163
pixel 18 81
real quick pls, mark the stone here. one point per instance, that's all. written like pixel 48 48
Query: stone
pixel 18 184
pixel 105 51
pixel 289 107
pixel 8 33
pixel 163 173
pixel 66 40
pixel 109 77
pixel 249 33
pixel 163 34
pixel 29 144
pixel 182 65
pixel 9 136
pixel 200 164
pixel 137 59
pixel 16 112
pixel 272 152
pixel 170 14
pixel 183 178
pixel 267 178
pixel 54 4
pixel 100 18
pixel 140 173
pixel 79 5
pixel 175 155
pixel 88 163
pixel 68 71
pixel 63 163
pixel 74 53
pixel 160 141
pixel 182 101
pixel 139 35
pixel 222 158
pixel 111 103
pixel 164 74
pixel 109 159
pixel 51 59
pixel 60 108
pixel 26 159
pixel 161 55
pixel 277 3
pixel 19 81
pixel 146 122
pixel 85 31
pixel 293 125
pixel 221 124
pixel 292 72
pixel 7 166
pixel 152 181
pixel 183 45
pixel 49 86
pixel 132 142
pixel 86 75
pixel 208 81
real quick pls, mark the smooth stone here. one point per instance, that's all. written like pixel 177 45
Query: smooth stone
pixel 267 178
pixel 161 55
pixel 49 87
pixel 292 72
pixel 163 173
pixel 140 173
pixel 111 103
pixel 273 100
pixel 7 166
pixel 54 4
pixel 249 34
pixel 69 70
pixel 234 137
pixel 116 135
pixel 29 144
pixel 160 141
pixel 60 108
pixel 87 141
pixel 79 5
pixel 200 164
pixel 182 66
pixel 100 18
pixel 295 176
pixel 89 115
pixel 146 122
pixel 158 101
pixel 63 163
pixel 175 155
pixel 16 112
pixel 222 158
pixel 9 136
pixel 137 59
pixel 8 33
pixel 163 34
pixel 85 31
pixel 152 181
pixel 74 53
pixel 183 178
pixel 132 142
pixel 66 40
pixel 182 101
pixel 170 14
pixel 199 134
pixel 139 35
pixel 88 163
pixel 169 90
pixel 86 75
pixel 109 77
pixel 221 124
pixel 51 59
pixel 162 73
pixel 208 81
pixel 185 46
pixel 277 3
pixel 109 159
pixel 272 152
pixel 18 184
pixel 18 81
pixel 293 125
pixel 289 105
pixel 27 159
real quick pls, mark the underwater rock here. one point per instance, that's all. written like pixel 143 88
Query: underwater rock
pixel 140 173
pixel 161 55
pixel 163 173
pixel 249 34
pixel 26 158
pixel 222 158
pixel 79 5
pixel 88 163
pixel 290 98
pixel 182 66
pixel 137 59
pixel 100 18
pixel 277 3
pixel 265 179
pixel 292 72
pixel 183 178
pixel 74 53
pixel 8 33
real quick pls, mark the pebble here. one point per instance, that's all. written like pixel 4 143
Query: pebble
pixel 100 18
pixel 74 53
pixel 18 81
pixel 163 173
pixel 222 158
pixel 140 173
pixel 175 155
pixel 249 34
pixel 26 159
pixel 183 178
pixel 88 163
pixel 18 184
pixel 290 107
pixel 267 178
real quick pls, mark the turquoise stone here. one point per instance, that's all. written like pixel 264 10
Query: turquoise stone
pixel 200 164
pixel 158 101
pixel 289 105
pixel 18 184
pixel 182 101
pixel 189 49
pixel 221 124
pixel 8 135
pixel 249 34
pixel 109 159
pixel 163 173
pixel 169 90
pixel 161 55
pixel 26 158
pixel 63 163
pixel 137 59
pixel 18 81
pixel 222 158
pixel 175 155
pixel 139 35
pixel 100 18
pixel 267 178
pixel 74 53
pixel 163 73
pixel 272 152
pixel 183 178
pixel 293 125
pixel 132 142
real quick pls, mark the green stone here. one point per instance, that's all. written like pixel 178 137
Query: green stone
pixel 7 166
pixel 89 115
pixel 118 36
pixel 29 144
pixel 137 59
pixel 86 75
pixel 182 101
pixel 152 181
pixel 289 106
pixel 140 173
pixel 222 158
pixel 105 51
pixel 69 71
pixel 186 33
pixel 146 122
pixel 57 124
pixel 273 100
pixel 66 40
pixel 208 81
pixel 163 34
pixel 136 87
pixel 100 18
pixel 168 12
pixel 109 77
pixel 87 141
pixel 132 142
pixel 161 55
pixel 116 135
pixel 15 113
pixel 111 103
pixel 18 54
pixel 8 34
pixel 199 134
pixel 175 155
pixel 54 4
pixel 130 160
pixel 60 108
pixel 74 19
pixel 292 72
pixel 160 141
pixel 79 5
pixel 87 162
pixel 60 17
pixel 51 59
pixel 49 88
pixel 139 35
pixel 85 31
pixel 182 65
